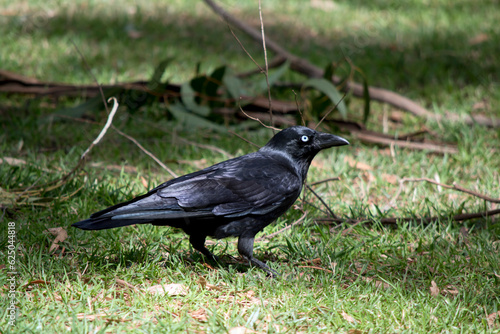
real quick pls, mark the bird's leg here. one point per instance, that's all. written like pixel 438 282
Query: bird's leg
pixel 245 248
pixel 198 243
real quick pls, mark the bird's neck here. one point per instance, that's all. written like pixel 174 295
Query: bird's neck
pixel 298 167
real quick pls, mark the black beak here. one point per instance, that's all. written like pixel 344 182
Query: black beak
pixel 326 140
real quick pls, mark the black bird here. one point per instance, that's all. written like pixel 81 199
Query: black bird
pixel 237 197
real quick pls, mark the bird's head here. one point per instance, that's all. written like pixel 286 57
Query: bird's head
pixel 301 144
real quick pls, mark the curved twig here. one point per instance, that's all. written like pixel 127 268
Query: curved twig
pixel 454 187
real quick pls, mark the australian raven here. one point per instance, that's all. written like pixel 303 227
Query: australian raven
pixel 237 197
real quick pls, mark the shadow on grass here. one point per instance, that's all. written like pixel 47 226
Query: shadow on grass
pixel 433 57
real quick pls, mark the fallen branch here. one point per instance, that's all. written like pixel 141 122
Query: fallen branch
pixel 362 134
pixel 397 220
pixel 371 137
pixel 305 67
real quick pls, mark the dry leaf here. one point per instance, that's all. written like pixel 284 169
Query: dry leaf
pixel 200 315
pixel 355 331
pixel 202 281
pixel 378 284
pixel 434 289
pixel 125 284
pixel 92 317
pixel 12 161
pixel 172 289
pixel 356 164
pixel 240 330
pixel 318 163
pixel 450 289
pixel 481 105
pixel 347 317
pixel 325 5
pixel 389 178
pixel 478 39
pixel 144 182
pixel 492 317
pixel 60 234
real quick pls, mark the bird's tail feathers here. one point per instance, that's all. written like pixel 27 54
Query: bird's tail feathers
pixel 103 223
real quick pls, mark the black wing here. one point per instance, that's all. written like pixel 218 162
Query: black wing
pixel 252 184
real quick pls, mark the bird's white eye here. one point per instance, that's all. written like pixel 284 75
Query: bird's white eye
pixel 305 139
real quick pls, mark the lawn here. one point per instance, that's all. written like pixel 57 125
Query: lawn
pixel 442 276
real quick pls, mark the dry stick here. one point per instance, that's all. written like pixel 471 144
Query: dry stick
pixel 258 120
pixel 275 62
pixel 298 109
pixel 104 129
pixel 321 200
pixel 267 65
pixel 261 70
pixel 89 69
pixel 303 66
pixel 324 181
pixel 33 86
pixel 96 141
pixel 371 138
pixel 242 138
pixel 329 111
pixel 151 155
pixel 171 172
pixel 272 235
pixel 424 220
pixel 265 71
pixel 208 147
pixel 454 187
pixel 316 267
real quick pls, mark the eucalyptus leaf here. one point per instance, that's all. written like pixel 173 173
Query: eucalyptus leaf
pixel 328 88
pixel 188 98
pixel 183 115
pixel 273 76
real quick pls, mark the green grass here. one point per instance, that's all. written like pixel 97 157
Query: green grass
pixel 366 278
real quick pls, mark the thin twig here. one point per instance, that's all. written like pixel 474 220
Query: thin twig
pixel 89 69
pixel 324 181
pixel 329 111
pixel 104 129
pixel 376 139
pixel 272 235
pixel 261 70
pixel 258 120
pixel 298 109
pixel 318 268
pixel 126 284
pixel 151 155
pixel 267 65
pixel 423 220
pixel 109 121
pixel 454 187
pixel 208 147
pixel 321 200
pixel 243 138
